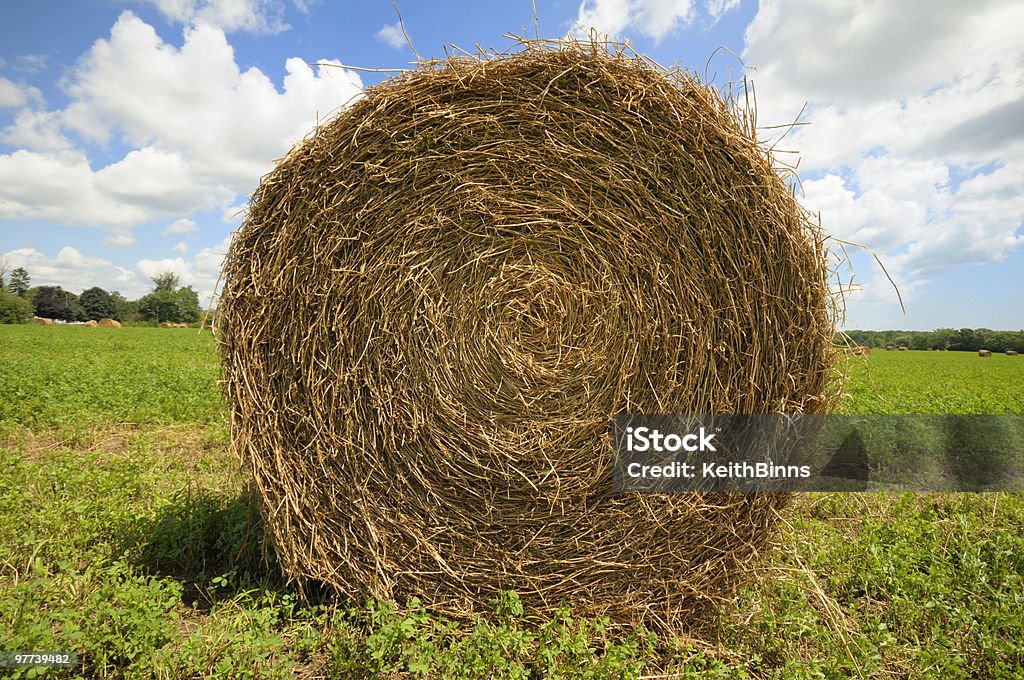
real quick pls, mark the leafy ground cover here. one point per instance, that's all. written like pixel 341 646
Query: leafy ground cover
pixel 128 534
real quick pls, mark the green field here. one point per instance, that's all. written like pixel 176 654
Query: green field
pixel 127 534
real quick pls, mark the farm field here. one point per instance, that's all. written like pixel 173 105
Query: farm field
pixel 127 534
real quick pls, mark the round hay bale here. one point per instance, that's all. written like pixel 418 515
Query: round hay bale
pixel 439 299
pixel 39 321
pixel 1011 352
pixel 166 324
pixel 108 323
pixel 91 323
pixel 984 353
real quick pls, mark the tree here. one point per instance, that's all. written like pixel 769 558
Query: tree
pixel 14 309
pixel 166 281
pixel 176 306
pixel 53 302
pixel 98 303
pixel 127 310
pixel 19 282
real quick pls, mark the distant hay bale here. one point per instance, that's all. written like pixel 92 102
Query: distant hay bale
pixel 984 353
pixel 890 348
pixel 42 322
pixel 166 324
pixel 91 323
pixel 903 348
pixel 1011 352
pixel 108 323
pixel 438 300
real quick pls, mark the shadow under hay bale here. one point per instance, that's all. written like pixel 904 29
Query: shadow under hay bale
pixel 202 536
pixel 440 298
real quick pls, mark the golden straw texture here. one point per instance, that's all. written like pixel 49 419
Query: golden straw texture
pixel 438 300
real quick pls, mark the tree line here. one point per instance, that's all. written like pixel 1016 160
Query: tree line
pixel 168 301
pixel 963 339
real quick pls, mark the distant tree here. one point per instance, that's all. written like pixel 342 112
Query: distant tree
pixel 127 310
pixel 98 303
pixel 53 302
pixel 176 306
pixel 19 283
pixel 14 309
pixel 944 338
pixel 166 281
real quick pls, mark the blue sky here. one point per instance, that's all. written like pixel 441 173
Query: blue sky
pixel 132 132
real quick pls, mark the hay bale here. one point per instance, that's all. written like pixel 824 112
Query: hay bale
pixel 91 323
pixel 166 324
pixel 984 353
pixel 39 321
pixel 1011 352
pixel 438 300
pixel 890 348
pixel 902 348
pixel 108 323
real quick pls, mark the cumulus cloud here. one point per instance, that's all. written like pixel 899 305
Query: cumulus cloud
pixel 651 18
pixel 60 188
pixel 391 35
pixel 182 226
pixel 201 272
pixel 914 142
pixel 718 8
pixel 73 271
pixel 253 16
pixel 201 131
pixel 14 95
pixel 180 247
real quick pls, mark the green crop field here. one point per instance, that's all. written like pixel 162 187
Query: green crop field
pixel 128 535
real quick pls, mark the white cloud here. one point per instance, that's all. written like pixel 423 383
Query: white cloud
pixel 151 268
pixel 73 271
pixel 234 214
pixel 607 16
pixel 201 131
pixel 14 95
pixel 201 272
pixel 903 102
pixel 253 16
pixel 652 18
pixel 391 35
pixel 718 8
pixel 59 188
pixel 180 247
pixel 36 130
pixel 182 226
pixel 120 237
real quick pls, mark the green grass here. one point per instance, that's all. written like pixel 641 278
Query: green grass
pixel 934 382
pixel 74 376
pixel 127 533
